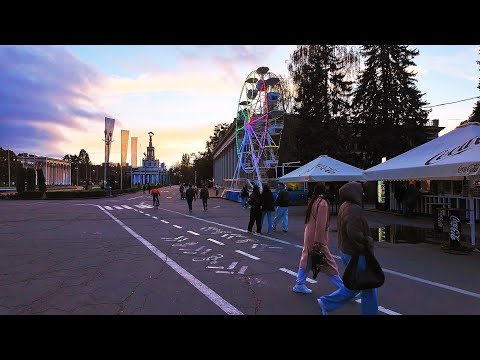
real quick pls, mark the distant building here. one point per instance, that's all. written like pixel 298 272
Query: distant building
pixel 56 171
pixel 152 171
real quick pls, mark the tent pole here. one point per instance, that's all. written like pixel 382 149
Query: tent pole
pixel 472 212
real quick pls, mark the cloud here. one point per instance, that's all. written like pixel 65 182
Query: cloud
pixel 42 87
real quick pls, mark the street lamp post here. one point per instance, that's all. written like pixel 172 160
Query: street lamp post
pixel 77 173
pixel 8 156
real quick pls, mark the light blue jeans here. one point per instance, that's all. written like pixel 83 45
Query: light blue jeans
pixel 269 220
pixel 281 212
pixel 343 295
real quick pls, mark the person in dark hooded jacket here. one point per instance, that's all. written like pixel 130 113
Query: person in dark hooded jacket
pixel 354 237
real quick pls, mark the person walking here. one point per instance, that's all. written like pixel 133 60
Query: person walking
pixel 181 189
pixel 204 196
pixel 317 221
pixel 281 203
pixel 267 207
pixel 144 187
pixel 244 196
pixel 149 188
pixel 190 194
pixel 216 189
pixel 354 237
pixel 255 202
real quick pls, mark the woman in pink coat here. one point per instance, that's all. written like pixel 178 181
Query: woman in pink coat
pixel 316 235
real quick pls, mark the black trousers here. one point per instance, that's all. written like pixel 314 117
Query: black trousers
pixel 189 201
pixel 255 216
pixel 204 204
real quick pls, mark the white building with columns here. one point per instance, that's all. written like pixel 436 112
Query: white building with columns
pixel 56 171
pixel 152 172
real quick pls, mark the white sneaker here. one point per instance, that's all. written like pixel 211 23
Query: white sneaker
pixel 324 312
pixel 302 289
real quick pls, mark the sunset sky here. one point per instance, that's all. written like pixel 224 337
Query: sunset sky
pixel 53 99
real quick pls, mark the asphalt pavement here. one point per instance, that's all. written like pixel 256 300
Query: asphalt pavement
pixel 120 255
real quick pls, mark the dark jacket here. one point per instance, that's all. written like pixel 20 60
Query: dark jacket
pixel 189 194
pixel 244 193
pixel 255 201
pixel 266 199
pixel 353 232
pixel 204 193
pixel 283 198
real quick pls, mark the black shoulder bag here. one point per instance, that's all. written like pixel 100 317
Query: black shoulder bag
pixel 369 277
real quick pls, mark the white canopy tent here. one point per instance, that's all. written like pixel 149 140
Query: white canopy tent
pixel 453 156
pixel 324 168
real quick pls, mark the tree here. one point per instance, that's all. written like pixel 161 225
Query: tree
pixel 475 116
pixel 74 160
pixel 4 161
pixel 320 74
pixel 84 160
pixel 388 113
pixel 30 179
pixel 41 180
pixel 20 176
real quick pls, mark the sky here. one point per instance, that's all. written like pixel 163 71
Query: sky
pixel 54 99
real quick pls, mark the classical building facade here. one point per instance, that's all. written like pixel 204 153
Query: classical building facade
pixel 56 171
pixel 152 171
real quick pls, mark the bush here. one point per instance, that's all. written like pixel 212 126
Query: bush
pixel 75 194
pixel 29 195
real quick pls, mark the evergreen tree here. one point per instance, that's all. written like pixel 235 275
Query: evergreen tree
pixel 319 73
pixel 30 179
pixel 20 176
pixel 41 180
pixel 475 116
pixel 387 105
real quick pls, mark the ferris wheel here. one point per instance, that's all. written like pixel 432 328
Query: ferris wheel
pixel 259 125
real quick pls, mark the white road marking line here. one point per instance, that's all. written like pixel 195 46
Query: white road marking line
pixel 232 265
pixel 254 246
pixel 216 206
pixel 139 206
pixel 433 283
pixel 407 276
pixel 216 242
pixel 193 232
pixel 135 210
pixel 135 197
pixel 178 227
pixel 214 267
pixel 118 207
pixel 200 248
pixel 381 309
pixel 100 207
pixel 223 304
pixel 275 247
pixel 164 221
pixel 230 237
pixel 190 252
pixel 311 281
pixel 223 272
pixel 179 237
pixel 203 228
pixel 127 207
pixel 148 214
pixel 208 250
pixel 242 270
pixel 169 197
pixel 247 254
pixel 224 235
pixel 140 211
pixel 108 207
pixel 154 217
